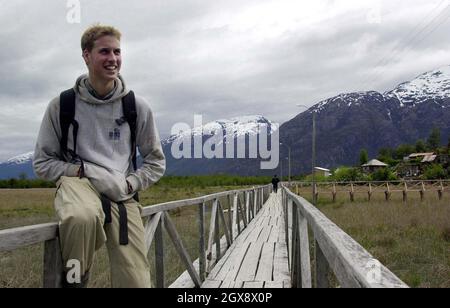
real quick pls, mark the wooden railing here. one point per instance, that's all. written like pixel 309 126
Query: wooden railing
pixel 243 206
pixel 369 188
pixel 335 251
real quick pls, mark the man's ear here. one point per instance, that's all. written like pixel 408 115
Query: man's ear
pixel 85 56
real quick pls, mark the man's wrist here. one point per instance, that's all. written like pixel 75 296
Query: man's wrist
pixel 130 187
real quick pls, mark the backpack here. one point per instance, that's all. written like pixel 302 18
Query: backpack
pixel 67 118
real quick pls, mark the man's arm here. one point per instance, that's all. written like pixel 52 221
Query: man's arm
pixel 47 161
pixel 149 144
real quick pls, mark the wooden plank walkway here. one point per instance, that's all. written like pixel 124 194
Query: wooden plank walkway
pixel 258 257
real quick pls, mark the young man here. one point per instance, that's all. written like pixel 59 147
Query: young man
pixel 92 162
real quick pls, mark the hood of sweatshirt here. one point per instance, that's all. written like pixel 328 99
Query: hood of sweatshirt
pixel 85 95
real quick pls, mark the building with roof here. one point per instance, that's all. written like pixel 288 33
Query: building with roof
pixel 373 166
pixel 322 171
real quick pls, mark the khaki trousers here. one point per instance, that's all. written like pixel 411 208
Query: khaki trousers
pixel 82 232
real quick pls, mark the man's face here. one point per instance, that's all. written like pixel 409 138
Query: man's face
pixel 105 60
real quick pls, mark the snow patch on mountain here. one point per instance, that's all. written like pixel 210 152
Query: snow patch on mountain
pixel 349 99
pixel 20 159
pixel 434 85
pixel 237 127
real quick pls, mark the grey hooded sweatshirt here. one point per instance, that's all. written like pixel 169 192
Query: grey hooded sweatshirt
pixel 103 144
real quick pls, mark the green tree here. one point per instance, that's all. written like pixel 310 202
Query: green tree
pixel 404 150
pixel 385 155
pixel 435 172
pixel 363 157
pixel 384 174
pixel 421 146
pixel 345 174
pixel 434 140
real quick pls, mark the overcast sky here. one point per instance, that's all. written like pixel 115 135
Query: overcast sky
pixel 221 59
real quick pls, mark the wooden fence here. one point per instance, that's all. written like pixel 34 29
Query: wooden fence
pixel 243 206
pixel 334 251
pixel 369 188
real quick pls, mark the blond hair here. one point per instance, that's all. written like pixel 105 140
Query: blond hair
pixel 95 32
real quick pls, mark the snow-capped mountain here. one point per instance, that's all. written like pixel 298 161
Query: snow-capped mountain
pixel 235 127
pixel 239 128
pixel 17 166
pixel 434 85
pixel 370 120
pixel 20 159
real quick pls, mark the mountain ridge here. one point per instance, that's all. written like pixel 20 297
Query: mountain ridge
pixel 346 123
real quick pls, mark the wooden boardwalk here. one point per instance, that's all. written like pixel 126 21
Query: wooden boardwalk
pixel 258 258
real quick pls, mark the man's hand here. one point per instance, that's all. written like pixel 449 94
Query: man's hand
pixel 130 187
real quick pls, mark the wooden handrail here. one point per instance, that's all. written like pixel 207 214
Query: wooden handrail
pixel 336 251
pixel 158 218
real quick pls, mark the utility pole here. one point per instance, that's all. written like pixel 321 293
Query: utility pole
pixel 289 157
pixel 289 165
pixel 314 158
pixel 281 170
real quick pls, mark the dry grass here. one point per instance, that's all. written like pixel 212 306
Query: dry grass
pixel 411 239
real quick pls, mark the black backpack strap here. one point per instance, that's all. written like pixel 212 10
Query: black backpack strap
pixel 66 116
pixel 130 114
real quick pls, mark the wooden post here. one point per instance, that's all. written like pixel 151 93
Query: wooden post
pixel 316 194
pixel 230 217
pixel 295 275
pixel 202 249
pixel 238 216
pixel 217 233
pixel 440 190
pixel 159 255
pixel 290 223
pixel 212 229
pixel 225 227
pixel 322 268
pixel 255 202
pixel 370 191
pixel 304 253
pixel 405 192
pixel 53 264
pixel 387 193
pixel 286 222
pixel 352 192
pixel 247 206
pixel 242 212
pixel 334 192
pixel 422 192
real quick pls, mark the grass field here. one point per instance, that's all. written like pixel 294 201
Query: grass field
pixel 412 239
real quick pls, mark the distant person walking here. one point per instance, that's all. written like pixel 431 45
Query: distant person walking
pixel 87 144
pixel 275 181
